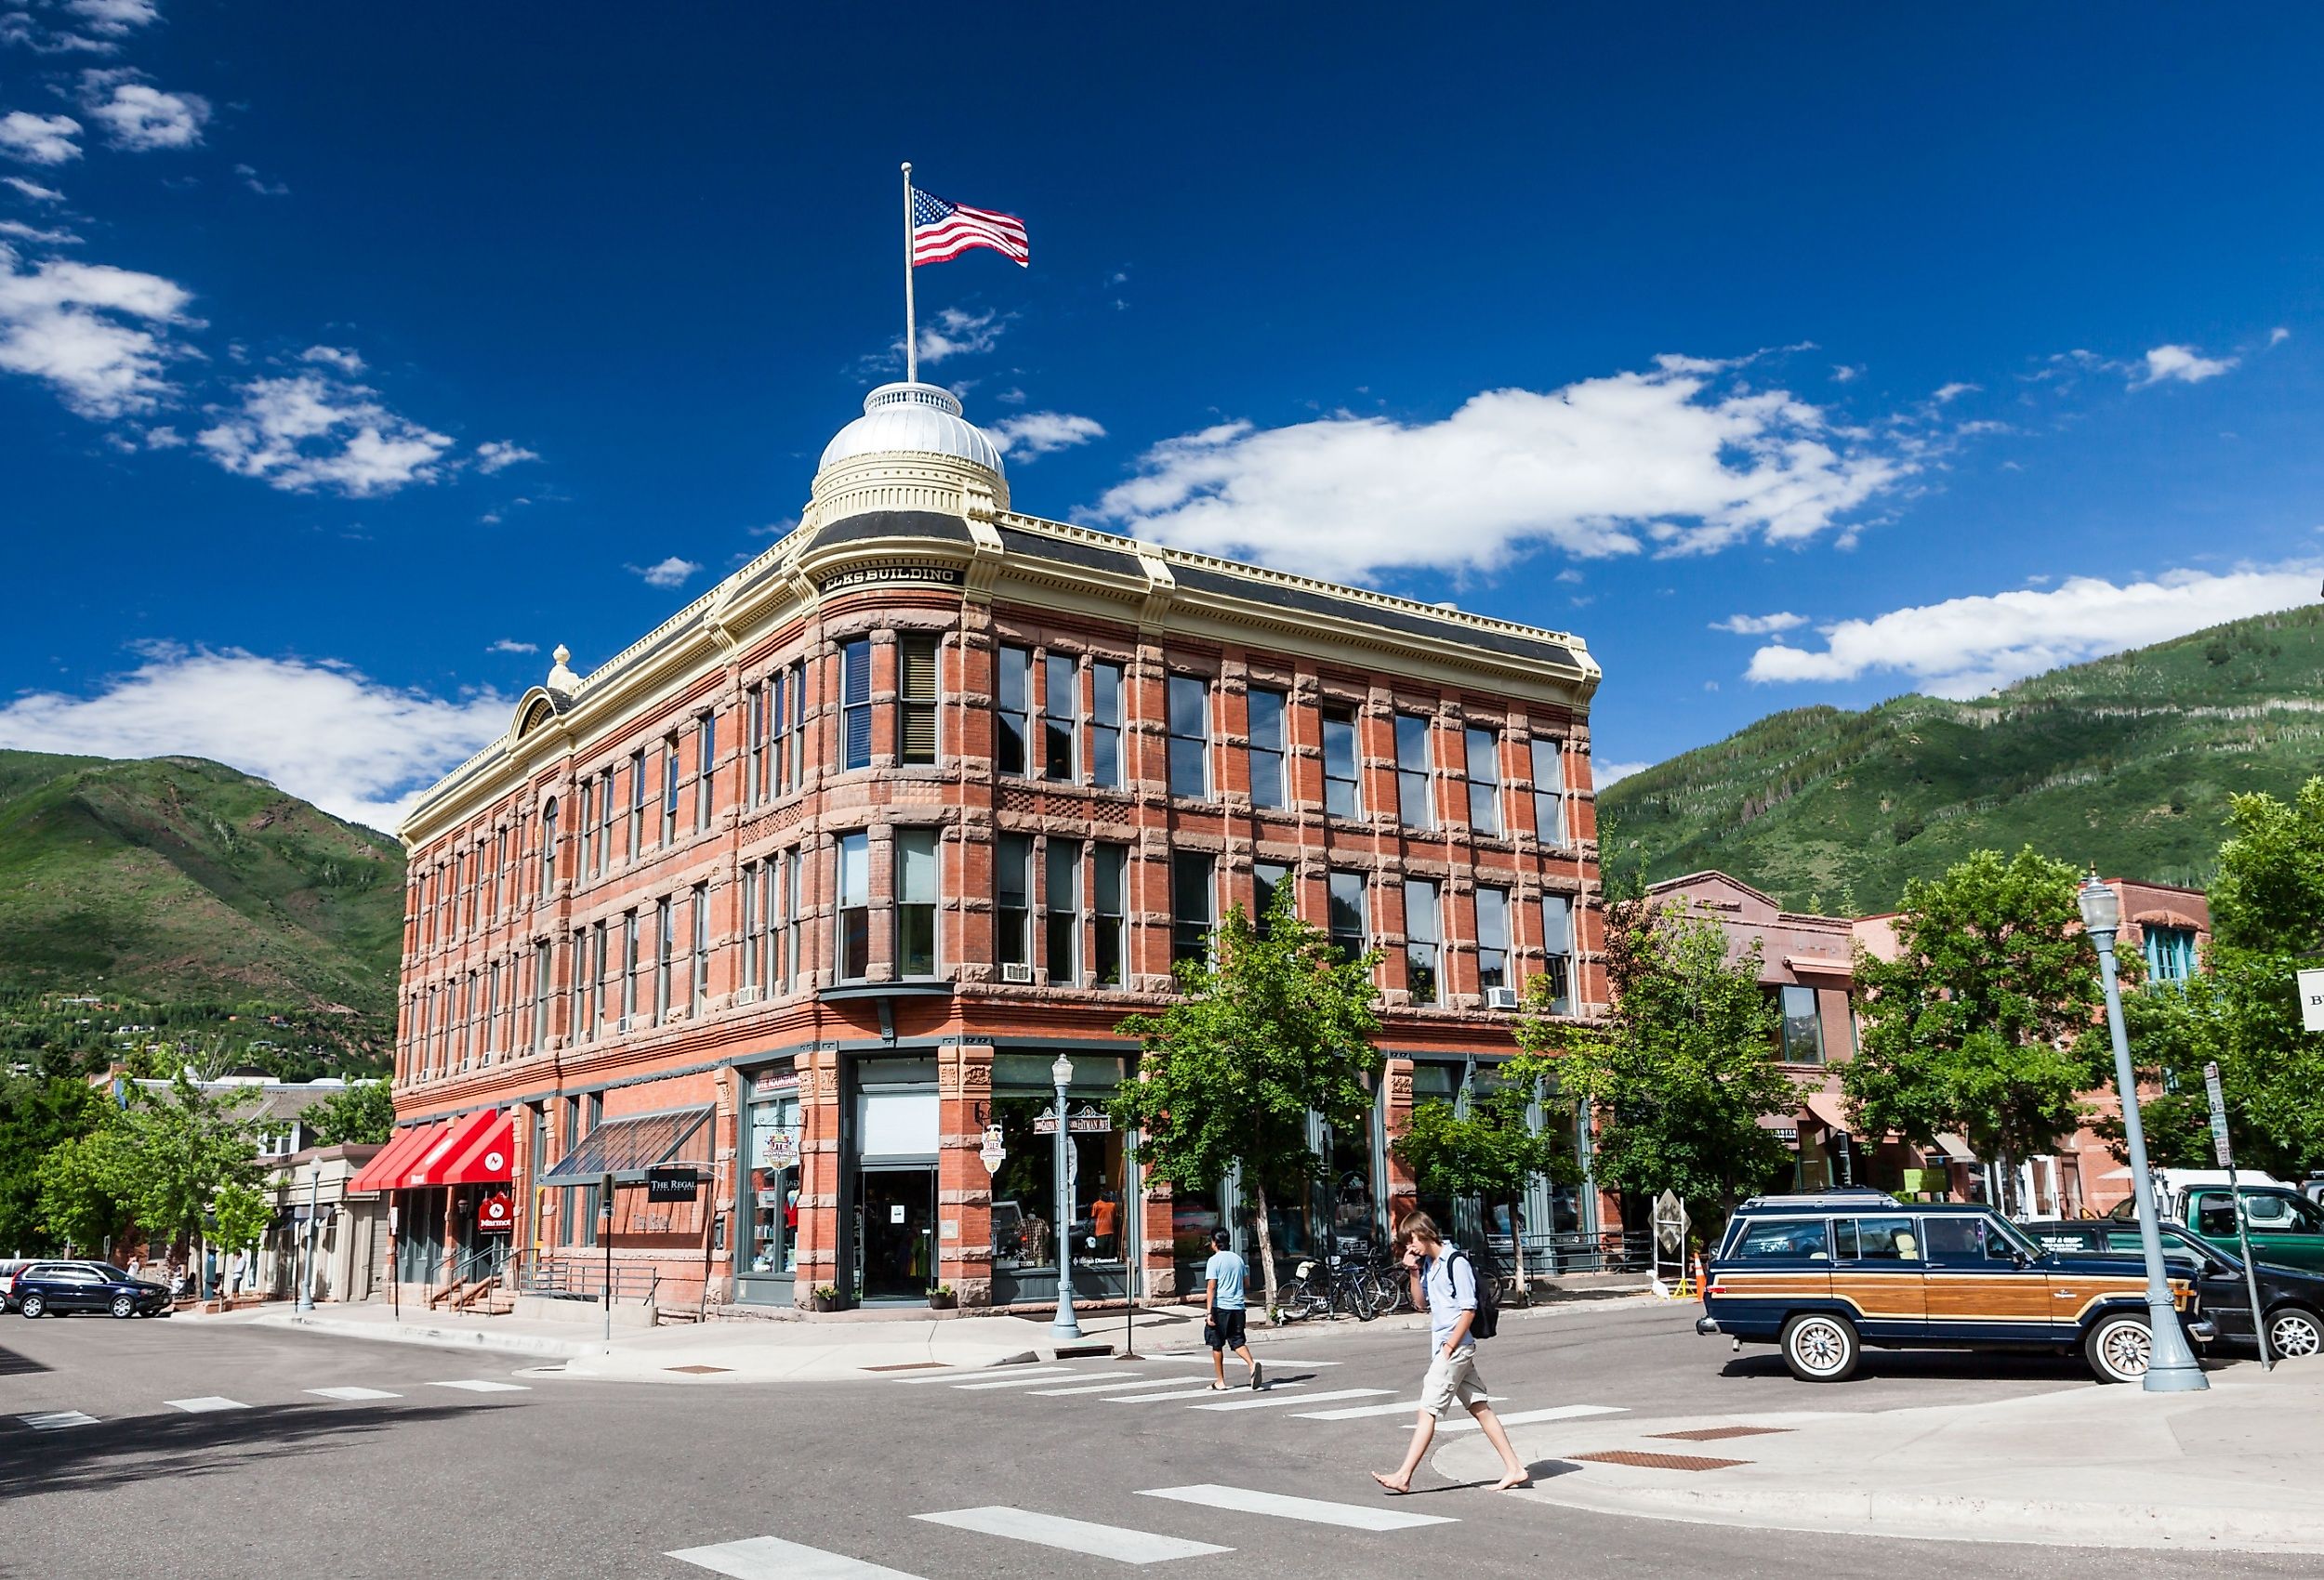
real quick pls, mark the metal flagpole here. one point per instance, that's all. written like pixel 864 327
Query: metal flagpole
pixel 911 330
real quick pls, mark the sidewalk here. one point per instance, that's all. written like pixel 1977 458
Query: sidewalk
pixel 2233 1467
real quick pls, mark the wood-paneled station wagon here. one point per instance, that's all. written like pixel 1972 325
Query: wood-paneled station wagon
pixel 1824 1276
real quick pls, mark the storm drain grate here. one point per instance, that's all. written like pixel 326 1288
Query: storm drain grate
pixel 911 1366
pixel 1658 1461
pixel 698 1371
pixel 1715 1434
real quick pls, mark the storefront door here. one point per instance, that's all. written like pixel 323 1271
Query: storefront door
pixel 897 1253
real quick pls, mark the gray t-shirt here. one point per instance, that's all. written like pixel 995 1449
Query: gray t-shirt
pixel 1227 1269
pixel 1451 1288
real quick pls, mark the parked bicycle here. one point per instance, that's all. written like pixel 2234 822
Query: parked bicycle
pixel 1340 1285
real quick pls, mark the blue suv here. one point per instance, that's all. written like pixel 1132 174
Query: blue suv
pixel 56 1288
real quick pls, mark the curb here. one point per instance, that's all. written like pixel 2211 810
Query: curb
pixel 432 1338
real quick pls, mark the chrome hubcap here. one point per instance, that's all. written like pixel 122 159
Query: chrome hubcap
pixel 1819 1346
pixel 2294 1336
pixel 2128 1348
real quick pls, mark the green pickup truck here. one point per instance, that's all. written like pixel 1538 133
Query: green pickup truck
pixel 2286 1228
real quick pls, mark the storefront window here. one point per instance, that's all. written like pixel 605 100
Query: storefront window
pixel 1026 1220
pixel 1350 1201
pixel 774 1149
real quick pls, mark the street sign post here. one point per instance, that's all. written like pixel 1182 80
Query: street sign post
pixel 2235 1197
pixel 1669 1232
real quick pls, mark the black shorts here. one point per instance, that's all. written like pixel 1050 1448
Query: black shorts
pixel 1225 1329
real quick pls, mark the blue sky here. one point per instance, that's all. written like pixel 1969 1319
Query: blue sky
pixel 352 358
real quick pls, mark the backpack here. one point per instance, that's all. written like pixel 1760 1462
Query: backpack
pixel 1488 1321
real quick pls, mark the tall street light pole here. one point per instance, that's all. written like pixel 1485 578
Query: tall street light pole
pixel 2171 1368
pixel 307 1277
pixel 1064 1327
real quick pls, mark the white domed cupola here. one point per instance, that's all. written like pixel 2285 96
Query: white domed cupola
pixel 911 450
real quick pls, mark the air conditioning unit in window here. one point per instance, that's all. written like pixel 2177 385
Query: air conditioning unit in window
pixel 747 995
pixel 1016 971
pixel 621 1022
pixel 1500 998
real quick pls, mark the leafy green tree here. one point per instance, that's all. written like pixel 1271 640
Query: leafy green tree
pixel 187 1144
pixel 1979 1026
pixel 37 1115
pixel 239 1214
pixel 87 1184
pixel 1489 1151
pixel 363 1114
pixel 1272 1023
pixel 1681 1071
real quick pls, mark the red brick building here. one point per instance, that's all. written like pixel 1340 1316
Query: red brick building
pixel 810 884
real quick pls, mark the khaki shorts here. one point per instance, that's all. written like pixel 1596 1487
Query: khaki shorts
pixel 1451 1377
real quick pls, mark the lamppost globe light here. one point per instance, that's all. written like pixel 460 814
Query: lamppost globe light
pixel 2101 911
pixel 1062 1073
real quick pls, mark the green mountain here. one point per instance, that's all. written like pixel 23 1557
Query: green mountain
pixel 178 880
pixel 2126 762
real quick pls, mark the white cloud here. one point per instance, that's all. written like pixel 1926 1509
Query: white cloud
pixel 346 361
pixel 115 18
pixel 36 236
pixel 1843 374
pixel 495 454
pixel 955 332
pixel 64 323
pixel 2182 363
pixel 671 573
pixel 307 431
pixel 251 178
pixel 140 117
pixel 164 438
pixel 1949 392
pixel 18 27
pixel 319 729
pixel 1682 459
pixel 39 139
pixel 1030 434
pixel 509 644
pixel 1759 624
pixel 2278 335
pixel 1966 645
pixel 1605 773
pixel 38 193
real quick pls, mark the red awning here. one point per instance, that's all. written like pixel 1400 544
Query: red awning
pixel 432 1163
pixel 383 1171
pixel 480 1151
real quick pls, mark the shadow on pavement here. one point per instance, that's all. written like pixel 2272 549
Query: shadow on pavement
pixel 1892 1365
pixel 123 1453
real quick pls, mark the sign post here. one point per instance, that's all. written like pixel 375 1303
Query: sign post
pixel 2312 998
pixel 1670 1231
pixel 2235 1199
pixel 605 1238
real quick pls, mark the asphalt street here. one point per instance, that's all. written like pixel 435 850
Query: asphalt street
pixel 183 1449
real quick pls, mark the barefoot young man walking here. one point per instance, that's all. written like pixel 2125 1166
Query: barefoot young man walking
pixel 1445 1283
pixel 1224 1275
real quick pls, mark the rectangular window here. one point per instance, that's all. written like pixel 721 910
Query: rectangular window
pixel 1557 946
pixel 599 965
pixel 769 948
pixel 2169 953
pixel 1109 894
pixel 548 847
pixel 1267 788
pixel 1188 698
pixel 1344 915
pixel 854 875
pixel 754 745
pixel 1423 939
pixel 797 771
pixel 1492 936
pixel 916 700
pixel 637 803
pixel 540 994
pixel 698 957
pixel 916 902
pixel 665 946
pixel 1548 792
pixel 705 767
pixel 605 834
pixel 632 963
pixel 1061 915
pixel 1060 706
pixel 492 1009
pixel 1012 899
pixel 1341 797
pixel 1485 781
pixel 855 730
pixel 779 728
pixel 577 1005
pixel 1105 724
pixel 669 789
pixel 1193 904
pixel 1416 787
pixel 1802 1029
pixel 467 1017
pixel 793 921
pixel 751 875
pixel 1012 717
pixel 1267 881
pixel 588 867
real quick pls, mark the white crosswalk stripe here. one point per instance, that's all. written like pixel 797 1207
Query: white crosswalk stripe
pixel 1202 1358
pixel 1206 1391
pixel 56 1420
pixel 766 1558
pixel 1246 1500
pixel 205 1404
pixel 478 1385
pixel 954 1378
pixel 1116 1542
pixel 353 1393
pixel 1263 1402
pixel 1358 1412
pixel 1105 1386
pixel 1022 1382
pixel 1526 1417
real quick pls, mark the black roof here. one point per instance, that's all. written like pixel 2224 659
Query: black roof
pixel 895 523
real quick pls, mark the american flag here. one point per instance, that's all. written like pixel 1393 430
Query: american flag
pixel 942 232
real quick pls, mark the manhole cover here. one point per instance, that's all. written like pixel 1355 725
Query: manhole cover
pixel 1658 1461
pixel 698 1371
pixel 1715 1434
pixel 910 1367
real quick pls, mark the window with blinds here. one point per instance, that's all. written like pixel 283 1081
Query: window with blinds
pixel 916 700
pixel 856 746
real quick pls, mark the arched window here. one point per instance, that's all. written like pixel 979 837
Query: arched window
pixel 548 847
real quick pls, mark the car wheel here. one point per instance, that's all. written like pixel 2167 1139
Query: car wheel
pixel 33 1306
pixel 1821 1346
pixel 123 1306
pixel 2295 1332
pixel 2119 1347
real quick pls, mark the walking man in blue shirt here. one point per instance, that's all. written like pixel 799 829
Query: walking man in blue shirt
pixel 1445 1283
pixel 1224 1275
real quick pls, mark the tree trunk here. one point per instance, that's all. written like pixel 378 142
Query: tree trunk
pixel 1266 1247
pixel 1522 1290
pixel 2009 1184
